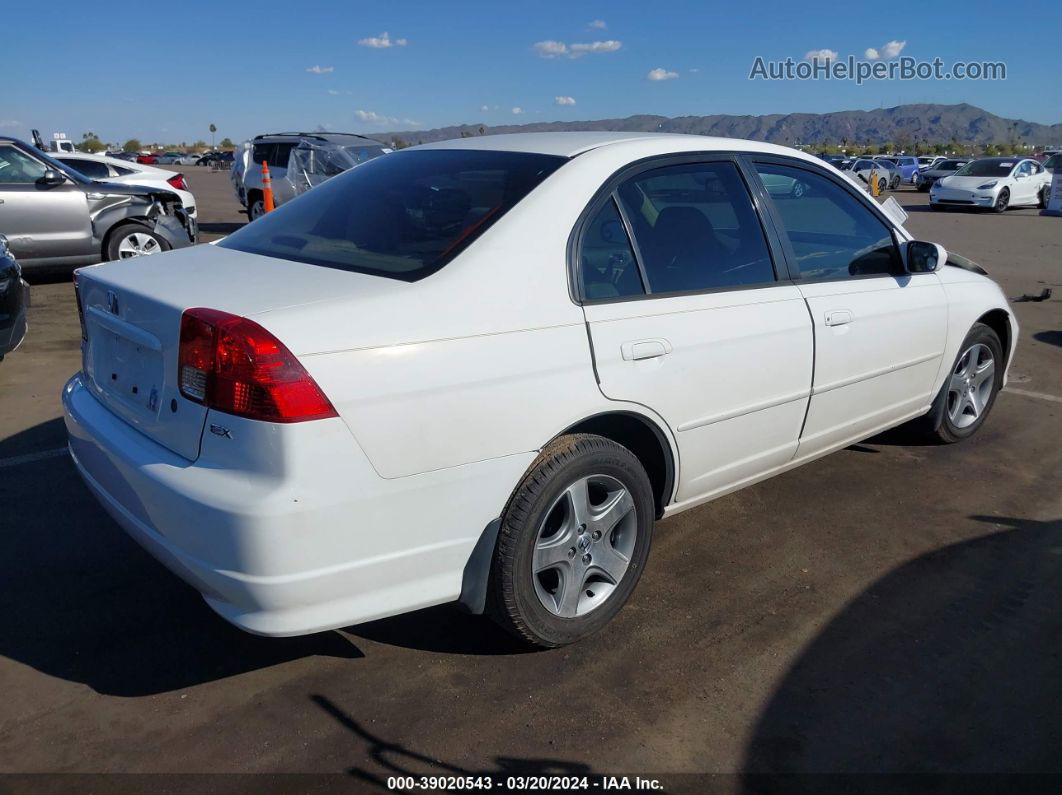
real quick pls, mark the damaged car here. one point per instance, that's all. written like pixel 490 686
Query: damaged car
pixel 53 216
pixel 14 301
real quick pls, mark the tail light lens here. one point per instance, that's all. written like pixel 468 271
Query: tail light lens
pixel 232 364
pixel 178 181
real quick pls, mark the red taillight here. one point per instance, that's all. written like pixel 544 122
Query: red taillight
pixel 232 364
pixel 178 181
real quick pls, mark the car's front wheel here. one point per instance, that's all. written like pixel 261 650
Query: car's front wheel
pixel 1002 201
pixel 1045 196
pixel 133 240
pixel 573 541
pixel 970 390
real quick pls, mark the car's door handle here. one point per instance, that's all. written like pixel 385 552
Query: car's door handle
pixel 838 317
pixel 644 349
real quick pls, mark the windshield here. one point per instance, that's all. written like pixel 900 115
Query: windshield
pixel 986 168
pixel 403 216
pixel 1053 162
pixel 950 165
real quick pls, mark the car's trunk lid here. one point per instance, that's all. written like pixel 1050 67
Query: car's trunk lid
pixel 132 315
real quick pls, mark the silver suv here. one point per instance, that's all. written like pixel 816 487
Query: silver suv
pixel 297 162
pixel 55 216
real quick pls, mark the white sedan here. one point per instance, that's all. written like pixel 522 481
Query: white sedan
pixel 480 370
pixel 995 183
pixel 112 169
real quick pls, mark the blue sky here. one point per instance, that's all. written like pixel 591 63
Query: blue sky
pixel 165 75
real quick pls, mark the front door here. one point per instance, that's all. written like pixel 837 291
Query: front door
pixel 40 221
pixel 687 317
pixel 879 331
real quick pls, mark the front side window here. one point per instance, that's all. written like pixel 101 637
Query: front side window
pixel 266 152
pixel 402 216
pixel 832 234
pixel 696 228
pixel 18 168
pixel 606 258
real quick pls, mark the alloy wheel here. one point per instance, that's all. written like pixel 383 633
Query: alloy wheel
pixel 138 244
pixel 971 384
pixel 584 546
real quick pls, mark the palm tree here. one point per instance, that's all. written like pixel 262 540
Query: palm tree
pixel 213 129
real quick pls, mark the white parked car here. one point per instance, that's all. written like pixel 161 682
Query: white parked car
pixel 479 371
pixel 111 169
pixel 995 183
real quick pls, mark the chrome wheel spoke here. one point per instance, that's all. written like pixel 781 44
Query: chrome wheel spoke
pixel 609 561
pixel 606 516
pixel 553 553
pixel 571 589
pixel 986 371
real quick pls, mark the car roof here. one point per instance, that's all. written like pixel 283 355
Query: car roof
pixel 332 137
pixel 570 144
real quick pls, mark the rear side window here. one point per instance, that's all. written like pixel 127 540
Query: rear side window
pixel 606 258
pixel 403 216
pixel 696 228
pixel 262 152
pixel 832 234
pixel 89 168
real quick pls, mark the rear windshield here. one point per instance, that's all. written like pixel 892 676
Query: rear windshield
pixel 403 215
pixel 986 168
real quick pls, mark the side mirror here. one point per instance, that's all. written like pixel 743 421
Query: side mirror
pixel 51 177
pixel 924 257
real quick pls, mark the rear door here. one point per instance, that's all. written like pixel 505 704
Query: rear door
pixel 879 331
pixel 688 316
pixel 40 221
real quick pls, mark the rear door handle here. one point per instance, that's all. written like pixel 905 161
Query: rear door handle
pixel 838 317
pixel 644 349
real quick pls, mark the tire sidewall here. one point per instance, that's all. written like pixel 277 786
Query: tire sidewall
pixel 608 459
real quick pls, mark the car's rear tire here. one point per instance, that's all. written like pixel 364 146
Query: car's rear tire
pixel 970 389
pixel 1045 196
pixel 133 239
pixel 573 541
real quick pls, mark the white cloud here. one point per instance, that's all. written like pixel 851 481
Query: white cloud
pixel 564 100
pixel 822 55
pixel 333 92
pixel 484 108
pixel 893 48
pixel 871 54
pixel 321 70
pixel 9 123
pixel 597 24
pixel 661 74
pixel 372 117
pixel 695 70
pixel 517 110
pixel 550 48
pixel 594 47
pixel 558 49
pixel 383 41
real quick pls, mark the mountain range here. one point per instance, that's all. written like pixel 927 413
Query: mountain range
pixel 933 123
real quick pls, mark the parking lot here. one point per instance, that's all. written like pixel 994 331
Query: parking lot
pixel 892 607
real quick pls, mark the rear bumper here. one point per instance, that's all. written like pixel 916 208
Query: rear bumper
pixel 287 529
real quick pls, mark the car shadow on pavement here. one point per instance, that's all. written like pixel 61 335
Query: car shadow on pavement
pixel 385 759
pixel 444 629
pixel 951 663
pixel 1050 337
pixel 221 228
pixel 81 601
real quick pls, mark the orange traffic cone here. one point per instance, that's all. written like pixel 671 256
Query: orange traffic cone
pixel 267 188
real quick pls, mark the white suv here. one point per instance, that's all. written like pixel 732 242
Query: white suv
pixel 480 370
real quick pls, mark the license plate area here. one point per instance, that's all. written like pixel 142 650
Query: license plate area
pixel 125 366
